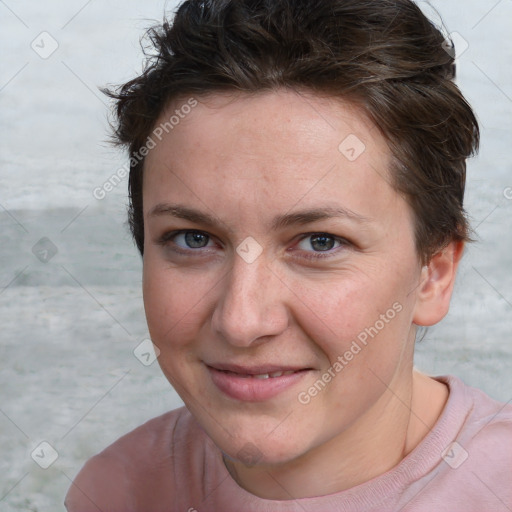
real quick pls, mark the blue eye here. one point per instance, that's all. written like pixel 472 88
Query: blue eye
pixel 320 245
pixel 194 239
pixel 321 242
pixel 186 239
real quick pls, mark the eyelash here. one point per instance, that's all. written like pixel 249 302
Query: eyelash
pixel 318 255
pixel 167 238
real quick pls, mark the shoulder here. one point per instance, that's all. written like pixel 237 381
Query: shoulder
pixel 481 416
pixel 477 405
pixel 483 411
pixel 488 428
pixel 137 467
pixel 478 459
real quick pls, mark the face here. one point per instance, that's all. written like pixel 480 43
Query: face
pixel 274 243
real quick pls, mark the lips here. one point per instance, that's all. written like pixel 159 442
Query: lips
pixel 254 383
pixel 254 370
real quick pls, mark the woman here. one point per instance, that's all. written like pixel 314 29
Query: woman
pixel 296 191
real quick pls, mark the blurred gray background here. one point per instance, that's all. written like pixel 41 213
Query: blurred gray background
pixel 71 313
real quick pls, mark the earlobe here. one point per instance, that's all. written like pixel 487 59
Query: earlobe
pixel 436 285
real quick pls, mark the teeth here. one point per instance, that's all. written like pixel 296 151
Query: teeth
pixel 262 375
pixel 273 374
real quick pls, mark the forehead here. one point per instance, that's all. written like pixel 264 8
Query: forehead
pixel 308 123
pixel 276 148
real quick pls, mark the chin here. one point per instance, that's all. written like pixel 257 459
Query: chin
pixel 260 453
pixel 252 446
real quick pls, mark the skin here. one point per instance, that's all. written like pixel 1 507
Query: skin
pixel 245 159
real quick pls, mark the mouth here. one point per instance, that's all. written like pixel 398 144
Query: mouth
pixel 255 383
pixel 268 375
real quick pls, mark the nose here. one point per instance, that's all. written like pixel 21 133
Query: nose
pixel 252 304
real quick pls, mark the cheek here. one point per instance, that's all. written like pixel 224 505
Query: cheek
pixel 341 307
pixel 364 318
pixel 173 301
pixel 175 304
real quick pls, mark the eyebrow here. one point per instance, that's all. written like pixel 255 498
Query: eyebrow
pixel 279 222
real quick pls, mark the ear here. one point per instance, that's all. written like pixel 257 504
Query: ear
pixel 436 285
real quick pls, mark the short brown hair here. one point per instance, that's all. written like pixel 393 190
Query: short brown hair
pixel 383 55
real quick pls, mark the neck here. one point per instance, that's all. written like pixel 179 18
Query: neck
pixel 373 445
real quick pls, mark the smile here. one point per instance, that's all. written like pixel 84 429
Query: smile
pixel 253 385
pixel 272 375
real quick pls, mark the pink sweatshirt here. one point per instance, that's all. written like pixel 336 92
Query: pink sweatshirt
pixel 169 464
